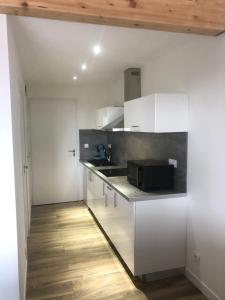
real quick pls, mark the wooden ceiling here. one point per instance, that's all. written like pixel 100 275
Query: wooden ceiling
pixel 191 16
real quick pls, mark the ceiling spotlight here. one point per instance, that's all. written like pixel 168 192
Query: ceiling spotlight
pixel 84 67
pixel 97 49
pixel 74 77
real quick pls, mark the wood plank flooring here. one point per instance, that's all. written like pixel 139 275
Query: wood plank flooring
pixel 69 258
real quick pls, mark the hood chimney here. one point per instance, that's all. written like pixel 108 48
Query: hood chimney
pixel 132 84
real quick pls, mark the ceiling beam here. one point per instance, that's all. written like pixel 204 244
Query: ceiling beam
pixel 192 16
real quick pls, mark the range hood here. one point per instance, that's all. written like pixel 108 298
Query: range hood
pixel 117 122
pixel 112 118
pixel 132 84
pixel 132 90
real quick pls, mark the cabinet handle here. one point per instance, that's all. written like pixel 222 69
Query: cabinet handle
pixel 90 176
pixel 109 188
pixel 106 201
pixel 103 189
pixel 115 200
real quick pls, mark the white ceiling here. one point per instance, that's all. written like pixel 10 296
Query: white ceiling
pixel 52 52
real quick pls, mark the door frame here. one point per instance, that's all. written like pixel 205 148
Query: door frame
pixel 26 162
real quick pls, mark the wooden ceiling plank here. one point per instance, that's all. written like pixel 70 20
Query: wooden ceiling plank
pixel 193 16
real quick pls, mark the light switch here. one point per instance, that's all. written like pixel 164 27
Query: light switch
pixel 173 162
pixel 86 146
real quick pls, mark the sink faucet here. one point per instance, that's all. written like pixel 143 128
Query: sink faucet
pixel 108 155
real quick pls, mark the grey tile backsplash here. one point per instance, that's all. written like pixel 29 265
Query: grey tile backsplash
pixel 136 145
pixel 93 138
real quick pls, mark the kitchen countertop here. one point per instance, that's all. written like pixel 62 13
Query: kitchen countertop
pixel 128 191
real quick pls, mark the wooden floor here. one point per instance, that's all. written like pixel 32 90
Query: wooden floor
pixel 69 258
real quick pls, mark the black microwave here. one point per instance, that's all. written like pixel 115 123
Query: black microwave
pixel 150 175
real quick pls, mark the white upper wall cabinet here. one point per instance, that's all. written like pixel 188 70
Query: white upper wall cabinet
pixel 157 113
pixel 107 115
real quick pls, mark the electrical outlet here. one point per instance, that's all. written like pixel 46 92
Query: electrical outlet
pixel 86 146
pixel 173 162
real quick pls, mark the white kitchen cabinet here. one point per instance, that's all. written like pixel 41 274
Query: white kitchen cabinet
pixel 95 194
pixel 118 223
pixel 123 232
pixel 90 188
pixel 157 113
pixel 160 235
pixel 106 115
pixel 98 206
pixel 107 221
pixel 149 235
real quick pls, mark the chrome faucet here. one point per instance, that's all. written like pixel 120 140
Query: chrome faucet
pixel 108 155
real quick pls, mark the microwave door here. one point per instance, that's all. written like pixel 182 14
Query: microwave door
pixel 140 177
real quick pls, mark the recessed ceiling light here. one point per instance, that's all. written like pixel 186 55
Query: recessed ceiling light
pixel 84 67
pixel 75 77
pixel 97 49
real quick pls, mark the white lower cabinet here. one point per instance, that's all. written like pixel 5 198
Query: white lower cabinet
pixel 95 194
pixel 160 235
pixel 124 229
pixel 90 188
pixel 149 235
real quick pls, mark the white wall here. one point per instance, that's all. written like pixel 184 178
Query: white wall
pixel 89 98
pixel 9 282
pixel 17 97
pixel 198 68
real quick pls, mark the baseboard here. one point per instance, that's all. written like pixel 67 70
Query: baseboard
pixel 201 285
pixel 162 274
pixel 55 203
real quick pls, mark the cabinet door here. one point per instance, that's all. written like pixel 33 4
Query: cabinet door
pixel 99 202
pixel 90 188
pixel 160 241
pixel 171 113
pixel 102 117
pixel 122 229
pixel 139 114
pixel 157 113
pixel 106 220
pixel 100 113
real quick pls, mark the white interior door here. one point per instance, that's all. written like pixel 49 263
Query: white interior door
pixel 54 134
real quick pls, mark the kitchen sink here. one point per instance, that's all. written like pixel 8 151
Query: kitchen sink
pixel 114 172
pixel 101 162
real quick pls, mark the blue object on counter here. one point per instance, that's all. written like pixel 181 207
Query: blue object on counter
pixel 102 152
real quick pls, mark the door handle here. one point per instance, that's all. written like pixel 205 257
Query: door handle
pixel 103 189
pixel 115 200
pixel 73 151
pixel 90 176
pixel 106 201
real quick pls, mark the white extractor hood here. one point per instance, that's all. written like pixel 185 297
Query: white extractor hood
pixel 110 117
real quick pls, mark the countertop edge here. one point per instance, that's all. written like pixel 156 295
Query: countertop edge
pixel 131 199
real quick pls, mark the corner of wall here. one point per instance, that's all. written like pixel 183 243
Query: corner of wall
pixel 201 285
